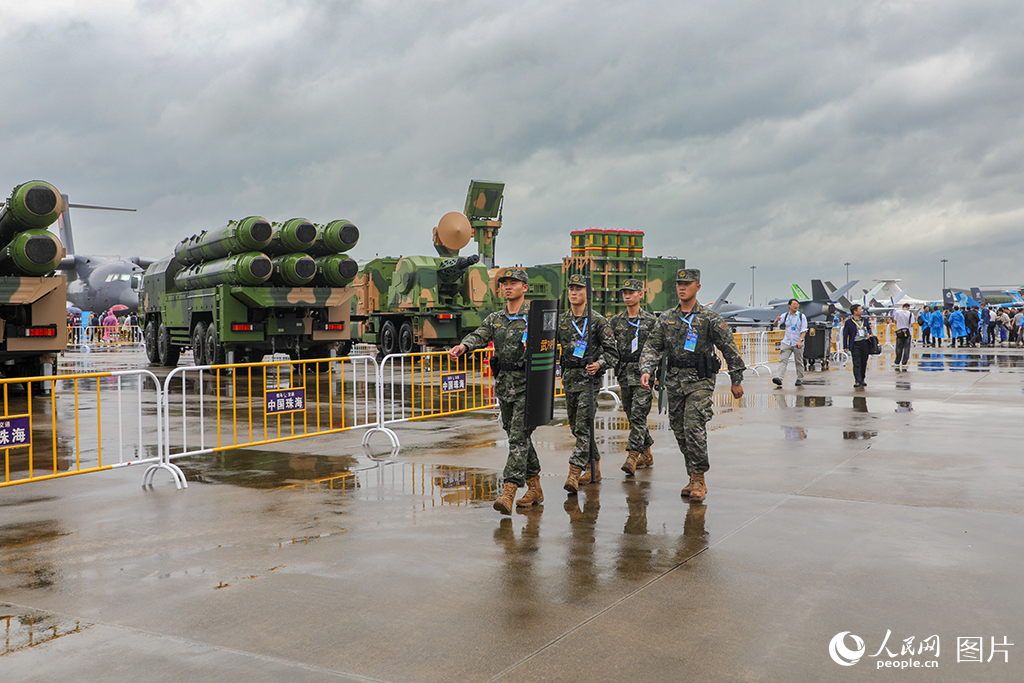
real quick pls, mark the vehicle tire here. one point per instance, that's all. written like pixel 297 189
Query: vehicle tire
pixel 199 344
pixel 215 353
pixel 152 347
pixel 388 340
pixel 344 348
pixel 169 353
pixel 405 338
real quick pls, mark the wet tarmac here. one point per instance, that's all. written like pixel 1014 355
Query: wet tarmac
pixel 893 513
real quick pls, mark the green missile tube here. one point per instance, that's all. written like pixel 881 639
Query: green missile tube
pixel 35 204
pixel 237 237
pixel 33 253
pixel 248 269
pixel 336 270
pixel 293 270
pixel 295 235
pixel 334 238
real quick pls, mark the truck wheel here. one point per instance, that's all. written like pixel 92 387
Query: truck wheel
pixel 199 344
pixel 169 353
pixel 388 340
pixel 405 338
pixel 215 354
pixel 152 349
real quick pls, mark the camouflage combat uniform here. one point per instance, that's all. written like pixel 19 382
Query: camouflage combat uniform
pixel 506 331
pixel 636 400
pixel 576 381
pixel 689 398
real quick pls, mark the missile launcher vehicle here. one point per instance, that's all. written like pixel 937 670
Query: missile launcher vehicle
pixel 250 289
pixel 408 301
pixel 33 318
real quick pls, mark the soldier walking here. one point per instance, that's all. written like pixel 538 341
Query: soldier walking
pixel 631 328
pixel 581 362
pixel 507 329
pixel 688 335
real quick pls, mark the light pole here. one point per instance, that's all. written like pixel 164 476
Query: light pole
pixel 944 262
pixel 847 264
pixel 752 285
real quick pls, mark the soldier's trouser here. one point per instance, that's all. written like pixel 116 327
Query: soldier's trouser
pixel 689 410
pixel 522 463
pixel 785 351
pixel 636 401
pixel 577 404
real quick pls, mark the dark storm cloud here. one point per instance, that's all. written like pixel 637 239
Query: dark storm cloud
pixel 793 136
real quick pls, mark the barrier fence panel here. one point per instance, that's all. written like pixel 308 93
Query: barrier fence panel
pixel 414 386
pixel 104 335
pixel 104 420
pixel 213 408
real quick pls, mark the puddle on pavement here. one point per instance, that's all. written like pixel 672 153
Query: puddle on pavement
pixel 18 553
pixel 794 433
pixel 23 630
pixel 272 470
pixel 859 434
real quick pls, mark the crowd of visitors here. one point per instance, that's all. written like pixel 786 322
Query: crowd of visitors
pixel 971 326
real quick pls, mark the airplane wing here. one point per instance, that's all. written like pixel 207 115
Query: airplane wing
pixel 841 292
pixel 721 299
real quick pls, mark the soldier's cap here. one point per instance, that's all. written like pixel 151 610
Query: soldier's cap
pixel 633 284
pixel 577 280
pixel 688 275
pixel 513 274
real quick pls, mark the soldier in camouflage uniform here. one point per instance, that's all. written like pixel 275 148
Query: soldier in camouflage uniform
pixel 688 335
pixel 580 363
pixel 507 329
pixel 631 328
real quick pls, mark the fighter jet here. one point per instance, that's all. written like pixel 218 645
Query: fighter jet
pixel 96 283
pixel 820 306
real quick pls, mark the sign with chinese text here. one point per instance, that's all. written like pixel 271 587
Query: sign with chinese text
pixel 455 381
pixel 285 400
pixel 15 431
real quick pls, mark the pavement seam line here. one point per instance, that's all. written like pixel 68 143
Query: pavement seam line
pixel 195 643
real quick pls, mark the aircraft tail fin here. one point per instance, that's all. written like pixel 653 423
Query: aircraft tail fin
pixel 948 300
pixel 818 291
pixel 799 293
pixel 721 299
pixel 1017 298
pixel 978 296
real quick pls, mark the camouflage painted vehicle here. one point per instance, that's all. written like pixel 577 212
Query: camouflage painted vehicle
pixel 33 301
pixel 234 303
pixel 433 300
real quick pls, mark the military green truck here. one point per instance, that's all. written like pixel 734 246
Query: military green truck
pixel 33 300
pixel 250 289
pixel 404 302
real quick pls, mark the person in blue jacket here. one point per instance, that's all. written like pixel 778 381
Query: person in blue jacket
pixel 937 323
pixel 923 319
pixel 856 333
pixel 957 327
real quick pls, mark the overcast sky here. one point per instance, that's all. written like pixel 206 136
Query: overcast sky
pixel 794 136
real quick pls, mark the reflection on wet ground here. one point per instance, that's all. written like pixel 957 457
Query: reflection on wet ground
pixel 859 434
pixel 272 470
pixel 794 433
pixel 26 629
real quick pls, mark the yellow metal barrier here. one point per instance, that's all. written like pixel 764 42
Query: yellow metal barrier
pixel 251 404
pixel 105 335
pixel 41 440
pixel 415 386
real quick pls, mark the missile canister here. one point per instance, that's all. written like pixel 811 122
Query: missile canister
pixel 293 270
pixel 249 269
pixel 334 238
pixel 237 237
pixel 336 270
pixel 33 253
pixel 295 235
pixel 35 204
